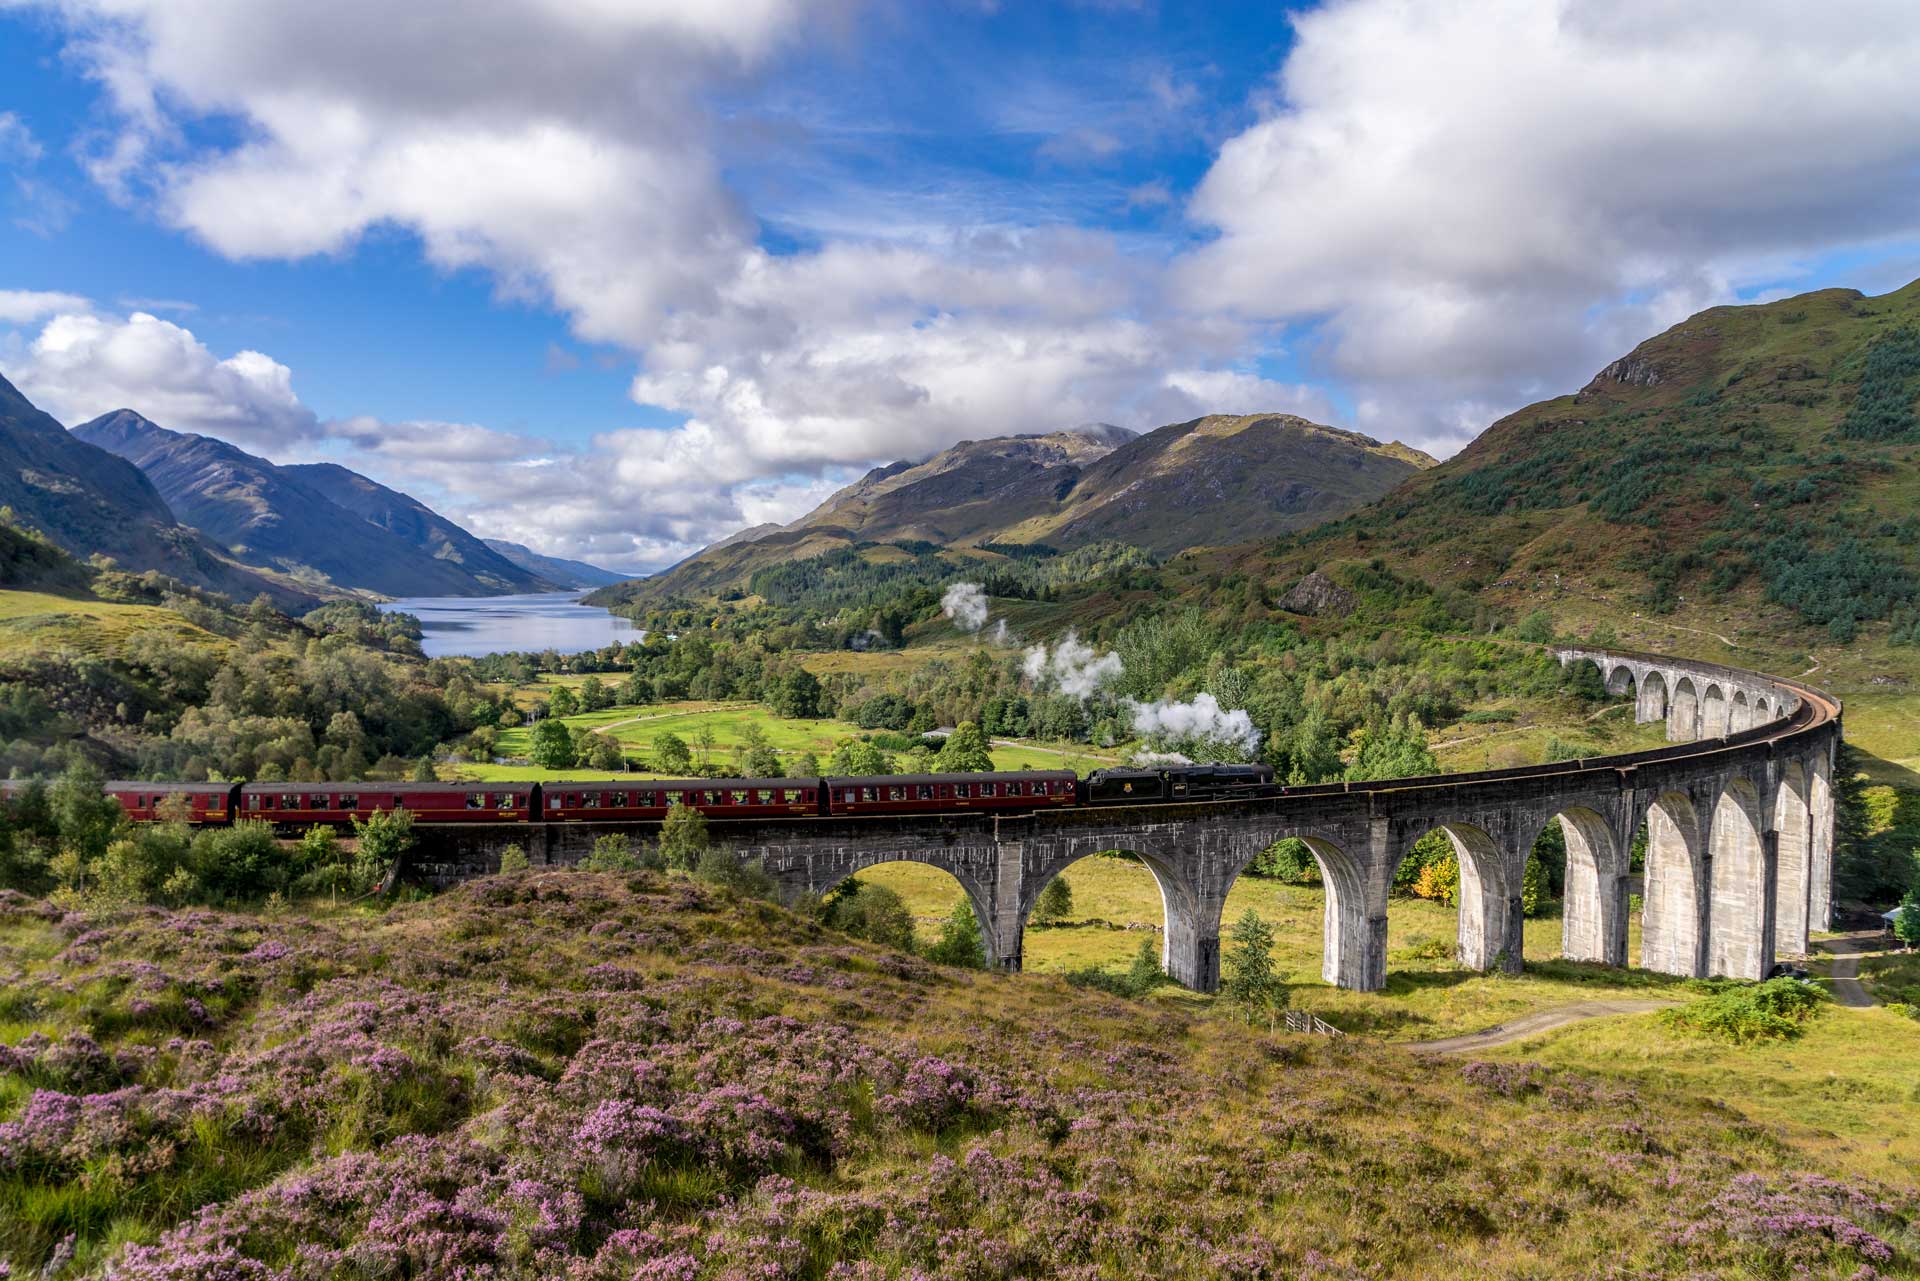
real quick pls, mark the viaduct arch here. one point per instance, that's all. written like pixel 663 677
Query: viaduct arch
pixel 1738 809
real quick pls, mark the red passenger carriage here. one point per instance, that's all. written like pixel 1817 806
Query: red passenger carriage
pixel 936 793
pixel 644 799
pixel 148 802
pixel 427 802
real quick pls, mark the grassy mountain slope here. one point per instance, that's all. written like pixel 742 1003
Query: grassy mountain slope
pixel 91 502
pixel 557 570
pixel 601 1076
pixel 272 517
pixel 1194 484
pixel 1185 485
pixel 1720 466
pixel 414 522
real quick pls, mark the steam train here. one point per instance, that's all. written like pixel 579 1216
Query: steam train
pixel 642 800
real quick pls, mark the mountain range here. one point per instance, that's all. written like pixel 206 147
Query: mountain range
pixel 92 502
pixel 1218 479
pixel 317 523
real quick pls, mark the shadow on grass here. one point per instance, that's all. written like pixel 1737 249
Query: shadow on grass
pixel 1594 974
pixel 1879 769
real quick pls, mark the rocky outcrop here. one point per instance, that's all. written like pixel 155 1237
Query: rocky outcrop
pixel 1317 595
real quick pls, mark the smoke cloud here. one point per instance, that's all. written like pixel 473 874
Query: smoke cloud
pixel 966 605
pixel 1072 668
pixel 1195 726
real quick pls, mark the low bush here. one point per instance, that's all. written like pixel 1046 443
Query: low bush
pixel 1743 1013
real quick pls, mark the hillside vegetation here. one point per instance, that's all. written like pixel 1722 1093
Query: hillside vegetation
pixel 1754 465
pixel 609 1076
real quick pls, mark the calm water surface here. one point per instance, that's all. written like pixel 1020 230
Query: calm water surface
pixel 497 624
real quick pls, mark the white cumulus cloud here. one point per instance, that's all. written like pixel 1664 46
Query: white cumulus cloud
pixel 1484 201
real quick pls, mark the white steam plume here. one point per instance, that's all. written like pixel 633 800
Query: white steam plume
pixel 1159 760
pixel 966 605
pixel 1072 668
pixel 1196 725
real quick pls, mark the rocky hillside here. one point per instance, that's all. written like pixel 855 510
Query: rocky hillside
pixel 600 1076
pixel 1186 485
pixel 276 518
pixel 91 502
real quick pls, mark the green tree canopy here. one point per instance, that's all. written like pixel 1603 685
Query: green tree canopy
pixel 383 837
pixel 684 837
pixel 672 755
pixel 959 941
pixel 965 751
pixel 875 913
pixel 552 745
pixel 562 702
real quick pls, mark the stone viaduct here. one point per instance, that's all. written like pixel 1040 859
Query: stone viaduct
pixel 1738 813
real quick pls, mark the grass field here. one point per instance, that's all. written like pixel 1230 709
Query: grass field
pixel 1847 1091
pixel 1117 904
pixel 34 622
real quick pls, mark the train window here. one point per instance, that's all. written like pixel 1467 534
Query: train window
pixel 503 800
pixel 593 800
pixel 926 791
pixel 896 793
pixel 617 800
pixel 986 789
pixel 290 803
pixel 740 797
pixel 253 802
pixel 765 796
pixel 716 798
pixel 869 793
pixel 675 798
pixel 553 801
pixel 349 802
pixel 476 800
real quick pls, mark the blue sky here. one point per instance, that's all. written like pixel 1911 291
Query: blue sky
pixel 617 278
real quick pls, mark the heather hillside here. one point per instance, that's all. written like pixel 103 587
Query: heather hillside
pixel 640 1076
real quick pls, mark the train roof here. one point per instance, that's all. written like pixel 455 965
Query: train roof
pixel 391 789
pixel 717 784
pixel 981 776
pixel 150 785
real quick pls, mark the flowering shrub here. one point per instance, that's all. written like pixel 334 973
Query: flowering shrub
pixel 603 1077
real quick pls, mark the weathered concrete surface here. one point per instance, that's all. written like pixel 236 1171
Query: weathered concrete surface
pixel 1718 815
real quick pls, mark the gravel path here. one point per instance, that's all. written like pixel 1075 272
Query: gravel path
pixel 1533 1024
pixel 1847 950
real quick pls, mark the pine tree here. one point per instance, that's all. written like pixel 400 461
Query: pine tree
pixel 1250 983
pixel 1056 903
pixel 1145 973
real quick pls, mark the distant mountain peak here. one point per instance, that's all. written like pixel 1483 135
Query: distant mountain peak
pixel 1220 478
pixel 292 520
